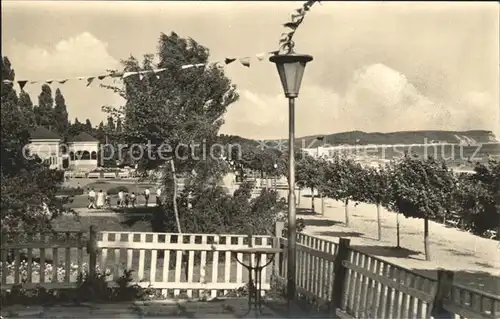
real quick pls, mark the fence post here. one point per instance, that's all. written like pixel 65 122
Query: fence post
pixel 339 273
pixel 92 251
pixel 278 233
pixel 443 291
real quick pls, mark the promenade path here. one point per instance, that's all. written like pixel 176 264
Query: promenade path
pixel 225 308
pixel 475 260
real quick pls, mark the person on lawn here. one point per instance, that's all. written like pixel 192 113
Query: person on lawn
pixel 100 199
pixel 146 196
pixel 121 198
pixel 132 199
pixel 127 198
pixel 107 201
pixel 92 196
pixel 158 197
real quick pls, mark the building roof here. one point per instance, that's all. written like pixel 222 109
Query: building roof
pixel 41 133
pixel 83 137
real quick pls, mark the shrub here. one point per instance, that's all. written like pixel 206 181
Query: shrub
pixel 117 189
pixel 70 191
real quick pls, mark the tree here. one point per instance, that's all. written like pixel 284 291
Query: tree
pixel 119 128
pixel 343 179
pixel 375 189
pixel 88 126
pixel 422 189
pixel 478 197
pixel 44 110
pixel 310 174
pixel 184 107
pixel 60 113
pixel 110 126
pixel 75 128
pixel 27 108
pixel 28 200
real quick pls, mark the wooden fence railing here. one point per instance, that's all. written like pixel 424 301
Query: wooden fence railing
pixel 358 285
pixel 53 259
pixel 191 264
pixel 349 281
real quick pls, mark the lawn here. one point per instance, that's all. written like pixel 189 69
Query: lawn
pixel 80 201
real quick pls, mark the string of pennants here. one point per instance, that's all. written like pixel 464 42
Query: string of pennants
pixel 285 41
pixel 245 61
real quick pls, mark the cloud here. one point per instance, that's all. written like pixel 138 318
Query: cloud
pixel 266 116
pixel 377 99
pixel 81 55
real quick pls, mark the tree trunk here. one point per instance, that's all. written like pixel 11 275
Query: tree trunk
pixel 174 197
pixel 426 239
pixel 379 223
pixel 322 205
pixel 312 200
pixel 176 213
pixel 298 198
pixel 346 210
pixel 397 230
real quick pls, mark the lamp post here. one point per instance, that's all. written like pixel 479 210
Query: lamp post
pixel 291 68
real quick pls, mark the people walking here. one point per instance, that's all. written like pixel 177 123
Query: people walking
pixel 158 196
pixel 121 198
pixel 133 199
pixel 127 199
pixel 92 199
pixel 107 201
pixel 146 196
pixel 100 199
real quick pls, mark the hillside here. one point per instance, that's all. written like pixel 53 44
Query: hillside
pixel 397 138
pixel 457 147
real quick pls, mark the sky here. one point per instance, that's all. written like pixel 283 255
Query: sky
pixel 378 66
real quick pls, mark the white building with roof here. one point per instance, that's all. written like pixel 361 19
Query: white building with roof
pixel 80 153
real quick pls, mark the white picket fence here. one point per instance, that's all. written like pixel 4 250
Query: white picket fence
pixel 190 264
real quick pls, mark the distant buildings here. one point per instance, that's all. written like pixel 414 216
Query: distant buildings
pixel 78 153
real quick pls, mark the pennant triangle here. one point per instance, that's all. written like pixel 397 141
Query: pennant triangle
pixel 102 77
pixel 291 25
pixel 90 80
pixel 229 60
pixel 261 56
pixel 245 61
pixel 141 76
pixel 63 81
pixel 22 84
pixel 49 81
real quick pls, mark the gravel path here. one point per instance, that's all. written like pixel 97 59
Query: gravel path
pixel 475 260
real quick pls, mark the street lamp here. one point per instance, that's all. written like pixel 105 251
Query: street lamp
pixel 291 68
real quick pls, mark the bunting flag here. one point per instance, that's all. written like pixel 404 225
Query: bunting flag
pixel 244 61
pixel 286 41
